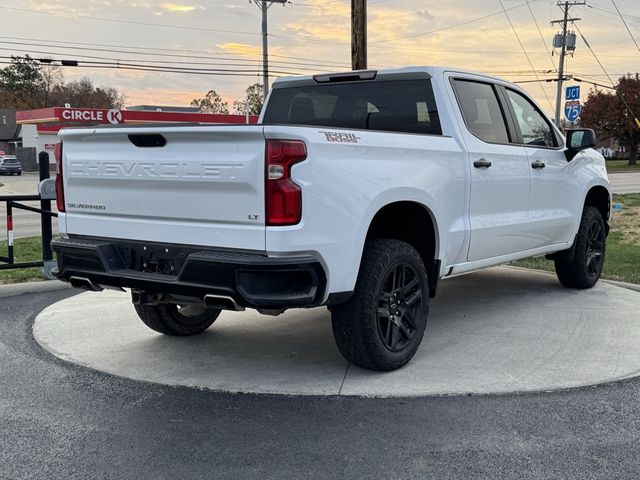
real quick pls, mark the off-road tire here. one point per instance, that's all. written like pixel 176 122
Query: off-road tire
pixel 581 272
pixel 166 318
pixel 356 323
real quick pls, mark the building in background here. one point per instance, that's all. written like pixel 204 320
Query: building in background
pixel 9 131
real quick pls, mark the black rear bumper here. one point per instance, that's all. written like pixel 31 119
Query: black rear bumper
pixel 252 280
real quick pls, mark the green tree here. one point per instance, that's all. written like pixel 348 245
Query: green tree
pixel 607 114
pixel 253 100
pixel 28 83
pixel 211 103
pixel 21 83
pixel 83 93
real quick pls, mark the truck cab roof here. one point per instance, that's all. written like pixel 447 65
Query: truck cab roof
pixel 370 74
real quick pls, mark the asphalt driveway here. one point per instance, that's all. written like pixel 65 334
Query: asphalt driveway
pixel 60 421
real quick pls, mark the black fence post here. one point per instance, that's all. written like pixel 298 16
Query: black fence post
pixel 45 205
pixel 10 258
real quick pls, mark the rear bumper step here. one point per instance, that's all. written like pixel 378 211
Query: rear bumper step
pixel 236 279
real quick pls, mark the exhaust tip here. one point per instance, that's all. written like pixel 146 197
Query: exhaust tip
pixel 84 284
pixel 221 302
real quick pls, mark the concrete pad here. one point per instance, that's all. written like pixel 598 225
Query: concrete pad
pixel 497 331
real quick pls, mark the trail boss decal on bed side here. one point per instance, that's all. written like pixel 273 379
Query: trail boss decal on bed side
pixel 341 137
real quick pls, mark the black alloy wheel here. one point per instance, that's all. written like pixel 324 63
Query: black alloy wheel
pixel 584 268
pixel 595 248
pixel 399 304
pixel 381 326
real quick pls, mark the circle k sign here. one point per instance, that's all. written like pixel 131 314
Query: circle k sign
pixel 92 115
pixel 114 116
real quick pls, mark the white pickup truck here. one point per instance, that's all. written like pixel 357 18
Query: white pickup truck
pixel 357 190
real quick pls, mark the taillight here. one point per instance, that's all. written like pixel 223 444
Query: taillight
pixel 283 198
pixel 57 153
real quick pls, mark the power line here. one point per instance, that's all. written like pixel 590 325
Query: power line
pixel 590 78
pixel 525 53
pixel 455 25
pixel 544 42
pixel 551 79
pixel 304 4
pixel 589 9
pixel 151 69
pixel 608 77
pixel 590 62
pixel 625 24
pixel 119 64
pixel 322 6
pixel 160 68
pixel 572 77
pixel 602 9
pixel 593 83
pixel 222 56
pixel 179 52
pixel 77 46
pixel 165 25
pixel 243 62
pixel 130 22
pixel 594 54
pixel 608 14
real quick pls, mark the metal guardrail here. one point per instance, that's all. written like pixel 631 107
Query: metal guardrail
pixel 47 193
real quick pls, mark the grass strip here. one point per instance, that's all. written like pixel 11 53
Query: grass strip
pixel 621 166
pixel 27 249
pixel 622 258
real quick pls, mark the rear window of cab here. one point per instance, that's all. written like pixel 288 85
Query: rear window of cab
pixel 395 106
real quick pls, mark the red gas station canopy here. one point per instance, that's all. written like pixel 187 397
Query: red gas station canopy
pixel 96 116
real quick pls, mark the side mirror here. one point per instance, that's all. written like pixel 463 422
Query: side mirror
pixel 578 140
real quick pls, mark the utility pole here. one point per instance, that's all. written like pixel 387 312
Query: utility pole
pixel 562 39
pixel 358 34
pixel 264 5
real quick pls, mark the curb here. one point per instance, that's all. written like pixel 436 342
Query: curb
pixel 15 289
pixel 629 286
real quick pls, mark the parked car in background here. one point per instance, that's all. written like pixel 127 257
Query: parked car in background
pixel 9 164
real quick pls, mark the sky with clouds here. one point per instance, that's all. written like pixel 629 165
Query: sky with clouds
pixel 309 36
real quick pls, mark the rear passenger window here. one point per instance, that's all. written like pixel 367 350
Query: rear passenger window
pixel 481 111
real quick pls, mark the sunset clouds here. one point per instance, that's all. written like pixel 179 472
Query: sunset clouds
pixel 308 37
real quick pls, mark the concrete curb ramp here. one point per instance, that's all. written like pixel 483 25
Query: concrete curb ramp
pixel 497 331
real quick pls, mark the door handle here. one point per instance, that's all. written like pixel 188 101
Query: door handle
pixel 538 164
pixel 482 163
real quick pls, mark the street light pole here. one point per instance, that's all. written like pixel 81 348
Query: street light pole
pixel 358 34
pixel 563 51
pixel 265 51
pixel 264 5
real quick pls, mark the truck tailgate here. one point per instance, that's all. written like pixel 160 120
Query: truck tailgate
pixel 196 185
